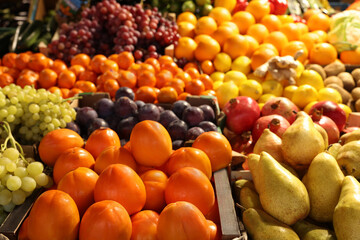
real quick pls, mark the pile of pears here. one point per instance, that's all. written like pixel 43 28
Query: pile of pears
pixel 301 188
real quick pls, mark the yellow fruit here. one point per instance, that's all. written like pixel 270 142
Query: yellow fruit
pixel 186 29
pixel 241 64
pixel 186 17
pixel 222 33
pixel 228 4
pixel 258 8
pixel 265 97
pixel 185 48
pixel 205 25
pixel 231 25
pixel 289 91
pixel 251 88
pixel 312 78
pixel 308 106
pixel 217 84
pixel 225 92
pixel 273 87
pixel 235 76
pixel 207 48
pixel 261 105
pixel 217 76
pixel 235 45
pixel 299 69
pixel 346 108
pixel 304 95
pixel 220 15
pixel 222 62
pixel 254 77
pixel 329 94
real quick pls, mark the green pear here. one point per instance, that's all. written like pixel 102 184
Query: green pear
pixel 323 182
pixel 239 184
pixel 282 195
pixel 261 226
pixel 349 137
pixel 249 198
pixel 253 160
pixel 333 149
pixel 270 143
pixel 348 158
pixel 346 219
pixel 309 231
pixel 301 142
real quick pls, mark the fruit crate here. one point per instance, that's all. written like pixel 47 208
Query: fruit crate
pixel 88 99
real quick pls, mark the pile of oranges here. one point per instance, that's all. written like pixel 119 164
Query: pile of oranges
pixel 154 80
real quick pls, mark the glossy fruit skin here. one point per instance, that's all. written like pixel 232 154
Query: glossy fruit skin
pixel 276 123
pixel 121 183
pixel 56 142
pixel 144 225
pixel 54 215
pixel 100 139
pixel 331 110
pixel 241 113
pixel 105 220
pixel 329 125
pixel 281 106
pixel 182 220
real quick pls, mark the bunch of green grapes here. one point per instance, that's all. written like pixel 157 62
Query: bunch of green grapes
pixel 33 113
pixel 19 176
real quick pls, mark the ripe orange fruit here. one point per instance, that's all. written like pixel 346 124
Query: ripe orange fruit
pixel 292 47
pixel 154 63
pixel 96 62
pixel 37 62
pixel 77 69
pixel 322 35
pixel 258 31
pixel 207 81
pixel 252 45
pixel 220 15
pixel 22 60
pixel 216 147
pixel 207 48
pixel 186 29
pixel 258 8
pixel 100 139
pixel 191 185
pixel 310 39
pixel 176 83
pixel 144 225
pixel 111 86
pixel 243 20
pixel 271 22
pixel 205 25
pixel 303 27
pixel 146 94
pixel 66 79
pixel 58 66
pixel 351 56
pixel 125 60
pixel 260 56
pixel 167 95
pixel 207 67
pixel 146 78
pixel 109 65
pixel 291 30
pixel 5 79
pixel 222 33
pixel 155 182
pixel 323 54
pixel 319 21
pixel 80 59
pixel 47 78
pixel 193 72
pixel 163 77
pixel 277 39
pixel 186 17
pixel 241 46
pixel 127 79
pixel 185 48
pixel 195 87
pixel 311 11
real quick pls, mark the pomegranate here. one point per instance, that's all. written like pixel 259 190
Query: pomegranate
pixel 242 143
pixel 281 106
pixel 241 113
pixel 331 110
pixel 329 125
pixel 276 123
pixel 350 129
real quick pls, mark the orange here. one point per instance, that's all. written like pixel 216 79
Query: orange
pixel 292 47
pixel 252 45
pixel 351 56
pixel 58 66
pixel 195 87
pixel 22 60
pixel 271 22
pixel 186 17
pixel 47 78
pixel 111 86
pixel 191 64
pixel 319 21
pixel 88 75
pixel 185 48
pixel 113 57
pixel 207 48
pixel 176 83
pixel 146 94
pixel 235 46
pixel 167 95
pixel 243 20
pixel 125 60
pixel 5 79
pixel 207 81
pixel 322 35
pixel 66 79
pixel 8 60
pixel 261 56
pixel 127 79
pixel 109 65
pixel 258 8
pixel 269 46
pixel 205 25
pixel 80 59
pixel 222 33
pixel 323 53
pixel 77 69
pixel 193 72
pixel 37 62
pixel 220 15
pixel 72 92
pixel 184 76
pixel 231 25
pixel 278 39
pixel 258 31
pixel 58 91
pixel 144 225
pixel 311 11
pixel 163 77
pixel 186 29
pixel 154 63
pixel 85 86
pixel 155 183
pixel 96 62
pixel 192 185
pixel 146 78
pixel 310 39
pixel 286 18
pixel 291 30
pixel 207 67
pixel 172 67
pixel 183 96
pixel 165 59
pixel 303 27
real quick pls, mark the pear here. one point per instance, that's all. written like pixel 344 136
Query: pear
pixel 346 219
pixel 323 133
pixel 323 182
pixel 253 160
pixel 351 136
pixel 333 149
pixel 348 158
pixel 282 195
pixel 301 142
pixel 249 198
pixel 261 225
pixel 309 231
pixel 241 183
pixel 270 143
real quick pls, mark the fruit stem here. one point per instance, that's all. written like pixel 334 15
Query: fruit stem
pixel 10 138
pixel 71 98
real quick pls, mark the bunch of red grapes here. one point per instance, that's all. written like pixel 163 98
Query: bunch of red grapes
pixel 109 27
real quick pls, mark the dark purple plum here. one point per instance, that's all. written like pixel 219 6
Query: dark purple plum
pixel 96 124
pixel 193 133
pixel 85 116
pixel 177 144
pixel 209 114
pixel 73 126
pixel 149 112
pixel 161 109
pixel 125 107
pixel 177 130
pixel 125 127
pixel 124 92
pixel 113 122
pixel 193 116
pixel 139 103
pixel 179 106
pixel 208 126
pixel 104 107
pixel 166 117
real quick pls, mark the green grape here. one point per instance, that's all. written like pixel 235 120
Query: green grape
pixel 21 163
pixel 10 167
pixel 28 184
pixel 10 118
pixel 5 197
pixel 3 171
pixel 18 197
pixel 2 102
pixel 56 109
pixel 4 160
pixel 56 122
pixel 6 90
pixel 51 127
pixel 19 112
pixel 62 123
pixel 28 135
pixel 9 207
pixel 3 113
pixel 44 107
pixel 14 100
pixel 11 153
pixel 35 168
pixel 35 116
pixel 23 129
pixel 20 172
pixel 28 98
pixel 42 126
pixel 67 118
pixel 12 109
pixel 42 179
pixel 34 108
pixel 47 119
pixel 13 183
pixel 35 130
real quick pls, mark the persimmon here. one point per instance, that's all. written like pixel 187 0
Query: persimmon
pixel 144 225
pixel 122 184
pixel 100 139
pixel 155 183
pixel 105 220
pixel 23 235
pixel 71 159
pixel 80 184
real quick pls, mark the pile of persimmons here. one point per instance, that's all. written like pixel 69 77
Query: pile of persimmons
pixel 142 190
pixel 155 80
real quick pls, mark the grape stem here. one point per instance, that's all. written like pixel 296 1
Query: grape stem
pixel 10 139
pixel 71 98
